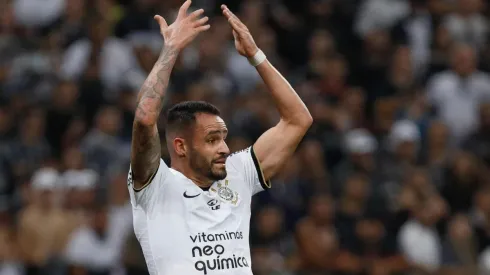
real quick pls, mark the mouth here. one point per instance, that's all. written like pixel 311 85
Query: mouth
pixel 220 161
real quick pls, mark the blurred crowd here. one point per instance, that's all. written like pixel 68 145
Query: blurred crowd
pixel 392 178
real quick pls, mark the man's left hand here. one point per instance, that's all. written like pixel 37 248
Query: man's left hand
pixel 244 41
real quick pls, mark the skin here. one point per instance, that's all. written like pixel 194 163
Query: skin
pixel 202 156
pixel 145 147
pixel 200 153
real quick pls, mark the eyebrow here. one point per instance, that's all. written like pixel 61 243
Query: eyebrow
pixel 215 132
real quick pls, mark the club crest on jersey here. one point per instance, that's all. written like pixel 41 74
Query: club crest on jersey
pixel 226 193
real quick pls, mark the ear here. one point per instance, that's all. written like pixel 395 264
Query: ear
pixel 180 147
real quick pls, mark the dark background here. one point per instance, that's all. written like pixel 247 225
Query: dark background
pixel 392 177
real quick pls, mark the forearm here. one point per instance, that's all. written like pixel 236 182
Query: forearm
pixel 146 148
pixel 291 108
pixel 279 143
pixel 151 95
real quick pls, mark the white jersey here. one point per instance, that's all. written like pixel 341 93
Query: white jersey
pixel 185 230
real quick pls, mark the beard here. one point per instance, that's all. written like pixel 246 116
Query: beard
pixel 206 168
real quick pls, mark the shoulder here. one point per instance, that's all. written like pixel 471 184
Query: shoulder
pixel 80 44
pixel 243 151
pixel 481 82
pixel 81 236
pixel 304 226
pixel 442 77
pixel 441 82
pixel 116 44
pixel 155 189
pixel 409 230
pixel 244 162
pixel 26 217
pixel 451 20
pixel 482 77
pixel 236 159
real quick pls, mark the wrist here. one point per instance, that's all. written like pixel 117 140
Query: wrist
pixel 169 53
pixel 169 47
pixel 258 58
pixel 253 52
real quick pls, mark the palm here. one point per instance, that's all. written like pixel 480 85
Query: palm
pixel 185 28
pixel 244 42
pixel 238 44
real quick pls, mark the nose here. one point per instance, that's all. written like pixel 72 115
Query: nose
pixel 223 149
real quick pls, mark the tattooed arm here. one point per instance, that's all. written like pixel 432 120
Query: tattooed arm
pixel 145 147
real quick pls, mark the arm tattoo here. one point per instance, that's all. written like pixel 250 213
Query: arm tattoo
pixel 146 148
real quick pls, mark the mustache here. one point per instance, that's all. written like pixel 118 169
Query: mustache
pixel 221 159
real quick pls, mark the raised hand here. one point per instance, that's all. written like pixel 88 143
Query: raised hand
pixel 244 42
pixel 185 28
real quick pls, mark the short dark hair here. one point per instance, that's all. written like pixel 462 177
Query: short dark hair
pixel 183 115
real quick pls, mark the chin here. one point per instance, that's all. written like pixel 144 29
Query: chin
pixel 219 174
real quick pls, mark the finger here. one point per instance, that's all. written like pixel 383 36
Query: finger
pixel 235 25
pixel 228 12
pixel 201 21
pixel 161 21
pixel 203 28
pixel 195 14
pixel 183 9
pixel 231 16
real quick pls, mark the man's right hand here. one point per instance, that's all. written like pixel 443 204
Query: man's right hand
pixel 185 28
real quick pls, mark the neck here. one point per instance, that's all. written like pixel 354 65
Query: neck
pixel 352 207
pixel 424 223
pixel 322 222
pixel 45 208
pixel 437 154
pixel 202 183
pixel 190 174
pixel 464 75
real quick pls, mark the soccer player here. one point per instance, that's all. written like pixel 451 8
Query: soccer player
pixel 194 217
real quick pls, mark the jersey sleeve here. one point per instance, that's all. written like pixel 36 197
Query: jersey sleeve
pixel 246 163
pixel 146 196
